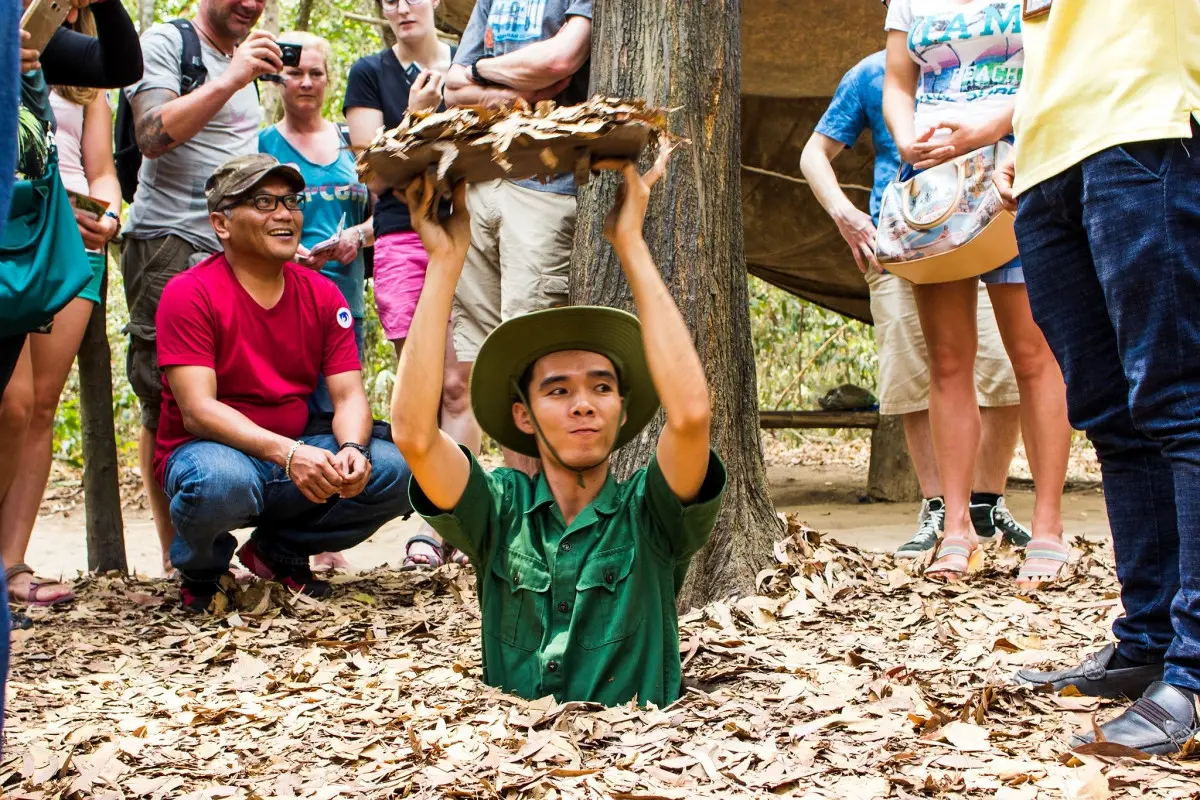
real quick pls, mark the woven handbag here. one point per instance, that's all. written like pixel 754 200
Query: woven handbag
pixel 948 222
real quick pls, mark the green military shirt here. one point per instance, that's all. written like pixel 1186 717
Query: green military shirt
pixel 584 611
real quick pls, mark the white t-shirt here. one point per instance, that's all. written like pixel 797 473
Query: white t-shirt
pixel 970 54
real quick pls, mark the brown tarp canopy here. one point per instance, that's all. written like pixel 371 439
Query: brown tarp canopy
pixel 794 52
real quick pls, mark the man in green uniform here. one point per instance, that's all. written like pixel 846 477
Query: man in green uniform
pixel 576 572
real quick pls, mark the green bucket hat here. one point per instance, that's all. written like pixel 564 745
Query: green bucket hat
pixel 514 345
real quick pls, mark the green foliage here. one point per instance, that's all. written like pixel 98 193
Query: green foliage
pixel 788 332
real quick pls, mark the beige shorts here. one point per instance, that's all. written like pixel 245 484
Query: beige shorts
pixel 519 261
pixel 904 361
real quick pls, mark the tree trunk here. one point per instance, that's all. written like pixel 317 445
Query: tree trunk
pixel 683 54
pixel 101 489
pixel 891 476
pixel 271 103
pixel 304 15
pixel 145 15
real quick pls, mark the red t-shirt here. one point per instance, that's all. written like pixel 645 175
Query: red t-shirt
pixel 267 360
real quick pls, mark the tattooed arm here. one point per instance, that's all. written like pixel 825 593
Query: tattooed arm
pixel 163 120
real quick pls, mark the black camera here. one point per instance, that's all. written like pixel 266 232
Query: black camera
pixel 290 54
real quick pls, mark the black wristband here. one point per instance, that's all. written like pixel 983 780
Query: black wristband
pixel 366 451
pixel 476 77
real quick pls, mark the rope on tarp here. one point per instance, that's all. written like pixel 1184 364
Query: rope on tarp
pixel 793 179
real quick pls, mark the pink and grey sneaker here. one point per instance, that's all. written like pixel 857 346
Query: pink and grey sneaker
pixel 296 577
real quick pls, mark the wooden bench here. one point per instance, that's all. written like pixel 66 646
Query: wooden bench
pixel 891 477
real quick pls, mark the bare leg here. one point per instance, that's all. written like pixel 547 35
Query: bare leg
pixel 160 505
pixel 16 411
pixel 1000 426
pixel 919 438
pixel 947 312
pixel 51 356
pixel 1044 422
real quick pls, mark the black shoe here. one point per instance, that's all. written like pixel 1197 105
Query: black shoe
pixel 297 577
pixel 196 597
pixel 1093 677
pixel 987 519
pixel 1159 722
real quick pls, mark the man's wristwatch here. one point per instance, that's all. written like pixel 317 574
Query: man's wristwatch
pixel 476 77
pixel 366 451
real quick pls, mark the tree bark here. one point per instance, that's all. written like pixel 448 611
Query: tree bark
pixel 145 15
pixel 101 488
pixel 272 104
pixel 685 55
pixel 304 15
pixel 891 476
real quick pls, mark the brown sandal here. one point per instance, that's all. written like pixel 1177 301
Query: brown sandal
pixel 35 586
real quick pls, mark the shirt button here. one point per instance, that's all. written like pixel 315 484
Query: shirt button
pixel 552 666
pixel 609 577
pixel 566 547
pixel 563 606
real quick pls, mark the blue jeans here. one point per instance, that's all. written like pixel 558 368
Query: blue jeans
pixel 1111 250
pixel 320 402
pixel 215 489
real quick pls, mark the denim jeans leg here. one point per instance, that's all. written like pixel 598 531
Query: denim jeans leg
pixel 1068 303
pixel 213 490
pixel 1143 220
pixel 290 532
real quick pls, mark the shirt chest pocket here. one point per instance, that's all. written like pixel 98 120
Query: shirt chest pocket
pixel 606 599
pixel 524 584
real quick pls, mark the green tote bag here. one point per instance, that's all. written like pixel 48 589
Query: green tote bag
pixel 43 265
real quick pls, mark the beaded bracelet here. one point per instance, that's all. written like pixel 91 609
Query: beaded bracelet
pixel 287 467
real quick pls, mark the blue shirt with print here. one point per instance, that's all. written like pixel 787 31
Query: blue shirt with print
pixel 857 106
pixel 330 191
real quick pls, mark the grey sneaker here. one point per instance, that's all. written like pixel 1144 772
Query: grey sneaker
pixel 988 519
pixel 930 522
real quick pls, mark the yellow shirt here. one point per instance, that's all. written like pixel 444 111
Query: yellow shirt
pixel 1099 73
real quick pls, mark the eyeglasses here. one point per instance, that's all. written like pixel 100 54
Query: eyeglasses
pixel 267 203
pixel 394 3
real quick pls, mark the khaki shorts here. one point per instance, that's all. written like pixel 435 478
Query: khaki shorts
pixel 519 260
pixel 904 361
pixel 146 266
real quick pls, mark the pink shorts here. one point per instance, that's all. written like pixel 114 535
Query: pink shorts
pixel 400 263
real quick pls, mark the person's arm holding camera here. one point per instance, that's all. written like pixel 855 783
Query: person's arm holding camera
pixel 164 120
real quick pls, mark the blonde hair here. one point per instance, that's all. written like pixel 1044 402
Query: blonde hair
pixel 85 24
pixel 309 41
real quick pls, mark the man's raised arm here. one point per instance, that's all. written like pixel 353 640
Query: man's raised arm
pixel 683 446
pixel 438 465
pixel 163 119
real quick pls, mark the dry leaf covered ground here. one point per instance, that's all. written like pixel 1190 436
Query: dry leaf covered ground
pixel 844 678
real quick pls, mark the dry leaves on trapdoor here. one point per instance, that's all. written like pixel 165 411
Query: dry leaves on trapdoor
pixel 479 144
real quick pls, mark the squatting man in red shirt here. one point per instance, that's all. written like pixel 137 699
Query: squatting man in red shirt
pixel 242 339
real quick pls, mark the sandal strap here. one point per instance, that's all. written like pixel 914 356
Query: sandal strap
pixel 437 559
pixel 1058 554
pixel 952 547
pixel 1048 552
pixel 17 569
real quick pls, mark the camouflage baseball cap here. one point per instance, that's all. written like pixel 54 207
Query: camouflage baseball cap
pixel 241 174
